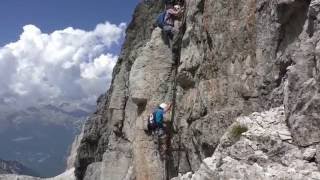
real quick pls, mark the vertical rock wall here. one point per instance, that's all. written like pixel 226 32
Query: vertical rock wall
pixel 104 132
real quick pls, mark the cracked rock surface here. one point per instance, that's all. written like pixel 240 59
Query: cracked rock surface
pixel 258 153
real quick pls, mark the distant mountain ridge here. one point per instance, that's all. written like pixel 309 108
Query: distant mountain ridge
pixel 40 136
pixel 15 167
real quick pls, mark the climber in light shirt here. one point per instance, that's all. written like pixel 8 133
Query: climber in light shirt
pixel 173 12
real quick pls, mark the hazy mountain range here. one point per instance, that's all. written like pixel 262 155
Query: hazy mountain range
pixel 14 167
pixel 40 137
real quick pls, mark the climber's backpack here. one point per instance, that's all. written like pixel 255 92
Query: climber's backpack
pixel 161 19
pixel 152 122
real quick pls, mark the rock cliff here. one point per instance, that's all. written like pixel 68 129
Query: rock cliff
pixel 231 58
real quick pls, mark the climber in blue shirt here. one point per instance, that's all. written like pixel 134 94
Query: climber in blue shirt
pixel 159 117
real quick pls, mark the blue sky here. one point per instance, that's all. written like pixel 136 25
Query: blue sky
pixel 43 61
pixel 58 54
pixel 51 15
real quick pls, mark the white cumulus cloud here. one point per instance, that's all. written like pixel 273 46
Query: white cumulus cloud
pixel 69 65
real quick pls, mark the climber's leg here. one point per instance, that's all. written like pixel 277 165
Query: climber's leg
pixel 176 42
pixel 169 33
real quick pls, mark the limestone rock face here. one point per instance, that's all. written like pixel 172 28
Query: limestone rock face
pixel 73 152
pixel 302 102
pixel 257 152
pixel 111 128
pixel 233 58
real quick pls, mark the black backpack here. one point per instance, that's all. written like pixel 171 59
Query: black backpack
pixel 152 125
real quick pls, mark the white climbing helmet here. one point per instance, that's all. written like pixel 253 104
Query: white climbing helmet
pixel 177 7
pixel 163 105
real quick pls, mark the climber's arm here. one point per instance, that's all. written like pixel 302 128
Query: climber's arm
pixel 168 108
pixel 174 12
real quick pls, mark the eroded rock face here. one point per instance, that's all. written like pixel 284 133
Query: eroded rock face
pixel 235 57
pixel 253 148
pixel 109 129
pixel 302 88
pixel 73 152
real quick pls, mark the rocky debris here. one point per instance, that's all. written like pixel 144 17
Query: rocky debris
pixel 309 154
pixel 257 153
pixel 285 135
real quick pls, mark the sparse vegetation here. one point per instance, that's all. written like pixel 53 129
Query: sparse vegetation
pixel 237 130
